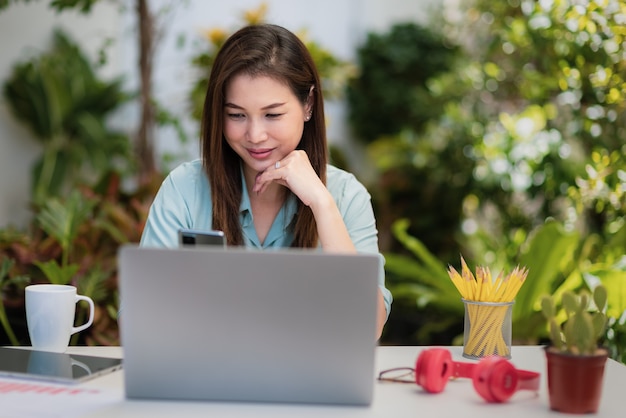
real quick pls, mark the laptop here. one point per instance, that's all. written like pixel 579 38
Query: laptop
pixel 209 323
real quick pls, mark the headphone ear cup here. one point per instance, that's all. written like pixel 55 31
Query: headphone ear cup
pixel 433 369
pixel 495 379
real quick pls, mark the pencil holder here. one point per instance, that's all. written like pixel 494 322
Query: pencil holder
pixel 487 329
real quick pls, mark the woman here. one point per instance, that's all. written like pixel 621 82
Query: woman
pixel 263 179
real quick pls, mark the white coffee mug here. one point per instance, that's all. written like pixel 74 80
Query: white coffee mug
pixel 50 311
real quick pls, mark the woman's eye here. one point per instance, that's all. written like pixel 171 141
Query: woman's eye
pixel 235 115
pixel 274 115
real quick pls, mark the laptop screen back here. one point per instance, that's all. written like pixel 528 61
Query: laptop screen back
pixel 241 325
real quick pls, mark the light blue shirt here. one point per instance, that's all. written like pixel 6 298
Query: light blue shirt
pixel 184 202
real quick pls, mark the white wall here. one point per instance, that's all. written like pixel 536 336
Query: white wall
pixel 339 25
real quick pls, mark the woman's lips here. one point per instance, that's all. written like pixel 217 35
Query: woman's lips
pixel 260 154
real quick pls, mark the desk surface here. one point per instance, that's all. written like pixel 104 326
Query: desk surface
pixel 390 399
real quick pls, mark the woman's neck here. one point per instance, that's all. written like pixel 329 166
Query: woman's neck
pixel 265 206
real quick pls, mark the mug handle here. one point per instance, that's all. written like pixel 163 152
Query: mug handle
pixel 91 313
pixel 82 366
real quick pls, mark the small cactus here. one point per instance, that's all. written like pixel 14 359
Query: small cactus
pixel 584 326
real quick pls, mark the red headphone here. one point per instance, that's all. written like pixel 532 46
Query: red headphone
pixel 494 378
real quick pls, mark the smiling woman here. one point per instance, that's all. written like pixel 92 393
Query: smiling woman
pixel 264 178
pixel 266 129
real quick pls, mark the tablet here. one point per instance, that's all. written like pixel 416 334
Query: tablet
pixel 54 367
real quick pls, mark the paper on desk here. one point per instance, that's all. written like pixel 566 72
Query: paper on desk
pixel 25 399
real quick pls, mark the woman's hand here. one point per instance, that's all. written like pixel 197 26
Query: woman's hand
pixel 296 173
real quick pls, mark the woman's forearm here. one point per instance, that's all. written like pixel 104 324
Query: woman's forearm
pixel 331 229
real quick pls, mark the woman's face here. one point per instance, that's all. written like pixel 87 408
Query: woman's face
pixel 263 120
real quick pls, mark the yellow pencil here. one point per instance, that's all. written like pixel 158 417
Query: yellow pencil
pixel 486 322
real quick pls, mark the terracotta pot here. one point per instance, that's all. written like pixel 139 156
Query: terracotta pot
pixel 575 382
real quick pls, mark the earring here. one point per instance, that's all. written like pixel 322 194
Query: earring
pixel 308 116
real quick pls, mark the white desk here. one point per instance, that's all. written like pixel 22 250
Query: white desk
pixel 391 400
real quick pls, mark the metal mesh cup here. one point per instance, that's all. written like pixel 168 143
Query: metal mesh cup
pixel 487 329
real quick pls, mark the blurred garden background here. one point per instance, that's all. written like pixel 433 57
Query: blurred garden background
pixel 495 131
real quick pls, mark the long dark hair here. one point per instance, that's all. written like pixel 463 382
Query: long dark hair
pixel 260 50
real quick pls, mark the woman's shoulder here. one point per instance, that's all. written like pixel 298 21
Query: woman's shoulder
pixel 188 177
pixel 187 170
pixel 339 181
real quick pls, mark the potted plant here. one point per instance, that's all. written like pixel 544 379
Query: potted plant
pixel 575 360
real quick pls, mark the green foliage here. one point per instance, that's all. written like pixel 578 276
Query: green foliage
pixel 5 281
pixel 61 220
pixel 83 6
pixel 403 86
pixel 523 163
pixel 428 188
pixel 613 277
pixel 583 328
pixel 390 93
pixel 526 103
pixel 60 98
pixel 616 338
pixel 421 276
pixel 5 3
pixel 424 296
pixel 74 241
pixel 82 214
pixel 552 85
pixel 600 194
pixel 550 254
pixel 57 273
pixel 610 271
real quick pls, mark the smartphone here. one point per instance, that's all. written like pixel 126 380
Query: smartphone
pixel 191 237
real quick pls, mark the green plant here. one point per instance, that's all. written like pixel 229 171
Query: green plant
pixel 548 94
pixel 527 149
pixel 427 308
pixel 60 98
pixel 551 253
pixel 616 338
pixel 74 241
pixel 6 281
pixel 584 325
pixel 81 212
pixel 149 25
pixel 61 221
pixel 397 102
pixel 390 93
